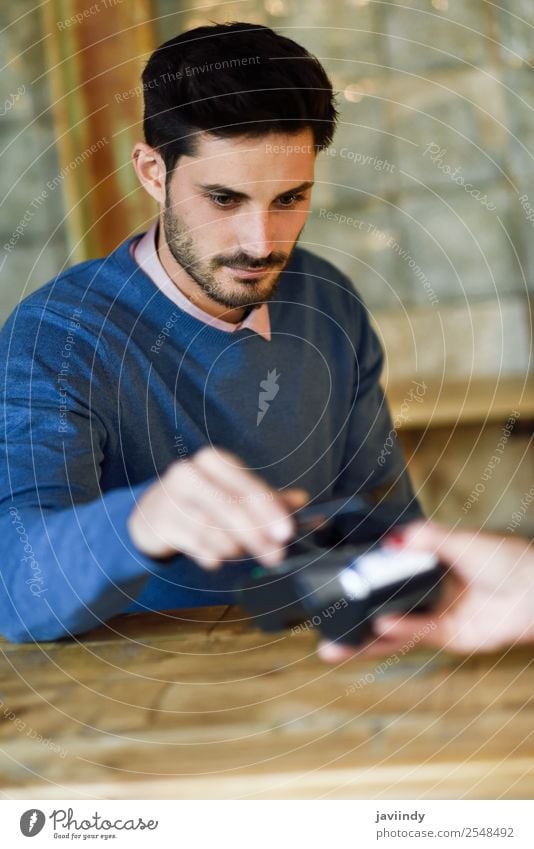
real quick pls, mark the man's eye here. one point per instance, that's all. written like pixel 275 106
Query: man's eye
pixel 222 200
pixel 290 200
pixel 226 201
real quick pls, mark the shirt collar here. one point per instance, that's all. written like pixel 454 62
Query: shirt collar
pixel 145 253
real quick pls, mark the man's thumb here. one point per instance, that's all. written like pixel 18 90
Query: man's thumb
pixel 294 498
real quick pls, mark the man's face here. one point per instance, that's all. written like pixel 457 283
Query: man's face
pixel 234 211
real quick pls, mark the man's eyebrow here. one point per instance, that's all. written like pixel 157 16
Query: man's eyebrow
pixel 218 187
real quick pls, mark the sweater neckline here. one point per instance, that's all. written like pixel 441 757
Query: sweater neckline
pixel 123 258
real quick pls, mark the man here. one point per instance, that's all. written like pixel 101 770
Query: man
pixel 169 407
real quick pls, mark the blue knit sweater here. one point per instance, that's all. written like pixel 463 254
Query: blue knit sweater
pixel 107 382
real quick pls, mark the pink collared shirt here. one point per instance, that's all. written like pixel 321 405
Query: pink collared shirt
pixel 145 253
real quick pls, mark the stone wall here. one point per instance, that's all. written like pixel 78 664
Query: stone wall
pixel 33 242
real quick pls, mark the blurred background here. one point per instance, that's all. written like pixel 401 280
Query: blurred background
pixel 426 198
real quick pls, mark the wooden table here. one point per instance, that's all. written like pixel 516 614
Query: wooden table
pixel 199 704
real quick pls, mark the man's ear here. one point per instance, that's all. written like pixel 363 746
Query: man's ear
pixel 150 170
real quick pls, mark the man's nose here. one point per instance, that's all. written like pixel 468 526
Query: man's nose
pixel 256 234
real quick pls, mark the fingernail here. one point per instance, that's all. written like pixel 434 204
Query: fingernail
pixel 210 563
pixel 281 531
pixel 395 538
pixel 384 623
pixel 270 558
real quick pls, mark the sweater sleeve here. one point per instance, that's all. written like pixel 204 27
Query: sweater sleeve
pixel 373 460
pixel 66 560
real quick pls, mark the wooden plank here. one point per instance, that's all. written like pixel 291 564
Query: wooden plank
pixel 95 56
pixel 509 778
pixel 263 701
pixel 370 747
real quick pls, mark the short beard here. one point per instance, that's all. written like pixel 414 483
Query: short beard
pixel 182 248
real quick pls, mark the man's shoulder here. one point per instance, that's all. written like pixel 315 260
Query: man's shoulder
pixel 87 287
pixel 321 279
pixel 312 263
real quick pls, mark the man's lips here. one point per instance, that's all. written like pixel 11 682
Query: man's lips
pixel 248 272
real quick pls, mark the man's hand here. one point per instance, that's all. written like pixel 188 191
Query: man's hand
pixel 211 509
pixel 487 604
